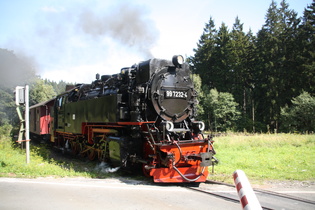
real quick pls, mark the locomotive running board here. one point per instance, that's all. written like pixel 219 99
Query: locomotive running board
pixel 171 175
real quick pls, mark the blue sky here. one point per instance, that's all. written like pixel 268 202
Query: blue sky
pixel 73 40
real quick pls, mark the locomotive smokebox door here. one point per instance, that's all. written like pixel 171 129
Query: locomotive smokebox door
pixel 172 93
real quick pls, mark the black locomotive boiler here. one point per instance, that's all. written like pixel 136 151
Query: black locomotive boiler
pixel 145 115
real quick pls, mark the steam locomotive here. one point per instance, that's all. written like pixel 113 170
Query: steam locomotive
pixel 144 116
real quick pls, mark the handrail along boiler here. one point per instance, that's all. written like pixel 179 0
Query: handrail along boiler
pixel 145 115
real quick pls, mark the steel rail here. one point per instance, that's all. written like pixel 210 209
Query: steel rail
pixel 268 192
pixel 223 197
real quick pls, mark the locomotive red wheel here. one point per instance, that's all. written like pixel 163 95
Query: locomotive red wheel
pixel 75 147
pixel 60 143
pixel 91 154
pixel 82 150
pixel 101 151
pixel 101 155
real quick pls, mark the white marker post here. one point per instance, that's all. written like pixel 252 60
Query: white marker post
pixel 22 98
pixel 245 192
pixel 27 124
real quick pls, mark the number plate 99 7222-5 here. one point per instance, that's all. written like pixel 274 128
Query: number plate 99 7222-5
pixel 175 94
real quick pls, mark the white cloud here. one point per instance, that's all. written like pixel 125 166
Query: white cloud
pixel 52 9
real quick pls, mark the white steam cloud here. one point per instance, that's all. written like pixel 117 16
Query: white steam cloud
pixel 105 168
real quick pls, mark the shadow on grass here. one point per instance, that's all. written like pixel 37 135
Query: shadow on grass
pixel 93 169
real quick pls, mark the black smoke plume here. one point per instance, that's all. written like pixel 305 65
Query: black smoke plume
pixel 15 69
pixel 126 24
pixel 92 35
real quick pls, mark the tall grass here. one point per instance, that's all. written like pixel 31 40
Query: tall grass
pixel 266 157
pixel 13 164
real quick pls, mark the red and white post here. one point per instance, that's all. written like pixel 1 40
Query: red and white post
pixel 245 192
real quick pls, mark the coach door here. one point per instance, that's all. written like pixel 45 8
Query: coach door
pixel 59 120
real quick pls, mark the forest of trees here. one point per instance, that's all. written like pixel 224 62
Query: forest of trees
pixel 246 82
pixel 265 74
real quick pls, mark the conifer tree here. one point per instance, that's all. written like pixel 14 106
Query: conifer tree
pixel 222 61
pixel 306 45
pixel 276 63
pixel 203 57
pixel 243 54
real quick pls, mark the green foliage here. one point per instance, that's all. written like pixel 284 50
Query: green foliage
pixel 197 85
pixel 40 92
pixel 300 115
pixel 5 140
pixel 7 107
pixel 220 111
pixel 59 87
pixel 306 43
pixel 266 157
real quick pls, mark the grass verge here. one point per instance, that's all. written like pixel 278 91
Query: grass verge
pixel 13 164
pixel 266 157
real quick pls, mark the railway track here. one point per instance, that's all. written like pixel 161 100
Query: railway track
pixel 267 199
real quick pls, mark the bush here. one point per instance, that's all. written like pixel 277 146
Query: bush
pixel 220 111
pixel 5 131
pixel 300 115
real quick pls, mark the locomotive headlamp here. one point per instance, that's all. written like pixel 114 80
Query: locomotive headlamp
pixel 199 125
pixel 178 60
